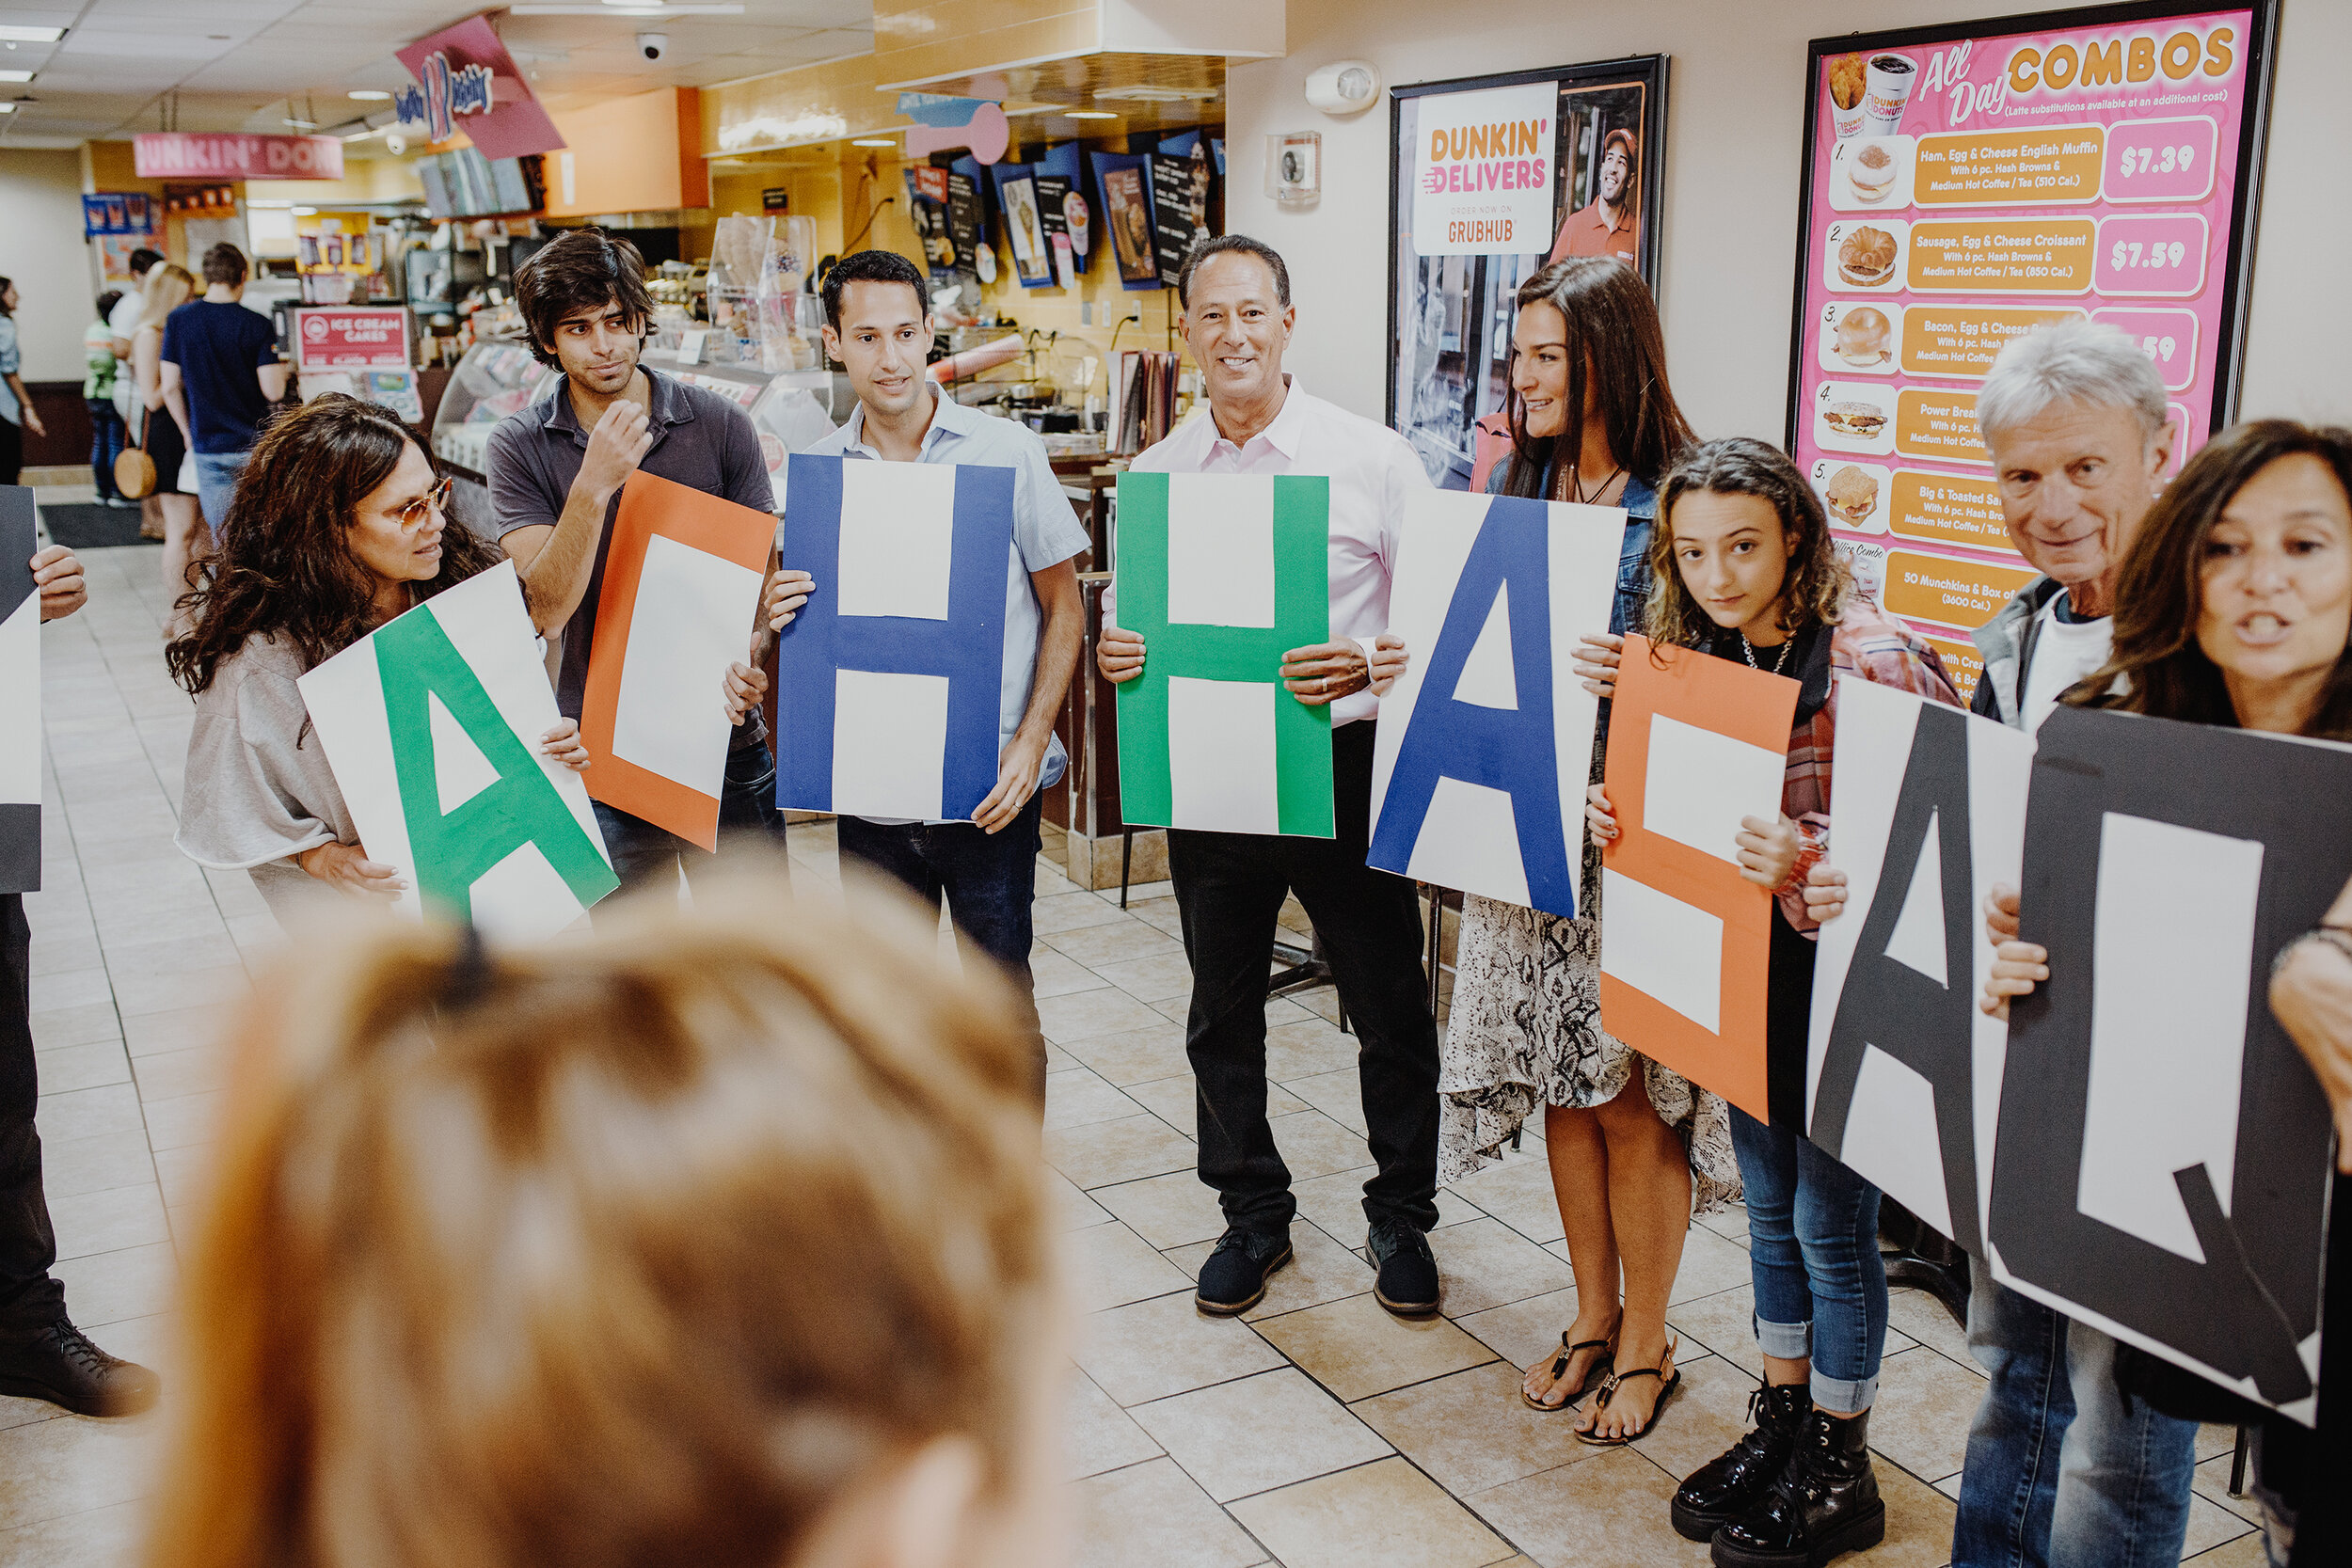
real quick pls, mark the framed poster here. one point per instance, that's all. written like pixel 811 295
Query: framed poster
pixel 1489 178
pixel 1965 182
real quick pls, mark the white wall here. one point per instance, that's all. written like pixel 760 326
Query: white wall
pixel 1735 110
pixel 42 247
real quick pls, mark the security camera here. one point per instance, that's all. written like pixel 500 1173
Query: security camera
pixel 653 45
pixel 395 144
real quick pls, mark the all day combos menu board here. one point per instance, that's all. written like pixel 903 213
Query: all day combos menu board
pixel 1963 185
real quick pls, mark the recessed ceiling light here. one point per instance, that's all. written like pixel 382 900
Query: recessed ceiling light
pixel 7 108
pixel 874 141
pixel 32 35
pixel 369 95
pixel 1089 114
pixel 15 75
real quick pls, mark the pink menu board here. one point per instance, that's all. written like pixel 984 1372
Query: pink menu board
pixel 1964 184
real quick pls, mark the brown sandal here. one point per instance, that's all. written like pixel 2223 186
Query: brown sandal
pixel 1614 1379
pixel 1599 1370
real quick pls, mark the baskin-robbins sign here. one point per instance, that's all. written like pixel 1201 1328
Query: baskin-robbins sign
pixel 342 337
pixel 466 72
pixel 1482 171
pixel 234 155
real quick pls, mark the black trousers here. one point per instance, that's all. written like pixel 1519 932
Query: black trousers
pixel 1229 890
pixel 29 1298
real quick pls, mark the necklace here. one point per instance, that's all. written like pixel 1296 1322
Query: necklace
pixel 1749 648
pixel 1575 486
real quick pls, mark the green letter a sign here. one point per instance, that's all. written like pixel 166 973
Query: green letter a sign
pixel 453 850
pixel 1221 575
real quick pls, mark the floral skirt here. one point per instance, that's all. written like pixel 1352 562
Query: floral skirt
pixel 1525 1032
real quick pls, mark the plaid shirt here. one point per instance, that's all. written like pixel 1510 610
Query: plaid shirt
pixel 1870 644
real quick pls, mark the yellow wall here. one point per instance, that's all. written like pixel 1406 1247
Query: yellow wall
pixel 630 155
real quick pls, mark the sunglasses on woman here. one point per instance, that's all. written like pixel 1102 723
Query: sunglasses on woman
pixel 412 516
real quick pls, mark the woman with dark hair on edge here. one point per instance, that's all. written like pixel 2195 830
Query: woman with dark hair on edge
pixel 1592 420
pixel 338 527
pixel 2235 609
pixel 1744 569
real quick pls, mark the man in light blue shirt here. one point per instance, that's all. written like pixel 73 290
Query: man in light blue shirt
pixel 878 327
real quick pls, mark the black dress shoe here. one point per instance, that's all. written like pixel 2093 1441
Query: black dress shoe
pixel 1234 1280
pixel 1731 1485
pixel 60 1365
pixel 1407 1281
pixel 1825 1504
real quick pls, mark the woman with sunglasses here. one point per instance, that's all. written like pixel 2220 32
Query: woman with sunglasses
pixel 340 525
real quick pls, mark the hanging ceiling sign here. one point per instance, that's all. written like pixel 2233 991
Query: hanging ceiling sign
pixel 465 70
pixel 236 155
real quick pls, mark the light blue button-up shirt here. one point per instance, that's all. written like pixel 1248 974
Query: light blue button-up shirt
pixel 1045 533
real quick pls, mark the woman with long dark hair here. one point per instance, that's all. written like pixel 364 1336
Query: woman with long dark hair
pixel 338 527
pixel 1745 569
pixel 2234 608
pixel 1592 420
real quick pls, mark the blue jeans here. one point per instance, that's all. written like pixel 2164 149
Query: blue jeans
pixel 105 445
pixel 643 854
pixel 988 880
pixel 216 484
pixel 1813 1249
pixel 2063 1469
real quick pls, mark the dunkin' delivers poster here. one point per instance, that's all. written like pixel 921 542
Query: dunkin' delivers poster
pixel 1963 185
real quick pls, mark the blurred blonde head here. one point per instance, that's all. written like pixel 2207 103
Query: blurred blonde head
pixel 718 1238
pixel 168 287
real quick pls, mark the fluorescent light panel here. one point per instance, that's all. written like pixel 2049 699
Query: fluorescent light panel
pixel 31 35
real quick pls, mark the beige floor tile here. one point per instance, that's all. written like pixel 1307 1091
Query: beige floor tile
pixel 1152 1349
pixel 1320 1270
pixel 1918 1521
pixel 1357 1348
pixel 98 1538
pixel 1724 1324
pixel 1385 1514
pixel 1157 978
pixel 1097 1436
pixel 1138 1057
pixel 1922 1319
pixel 2244 1552
pixel 1338 1094
pixel 1471 1430
pixel 71 1165
pixel 2212 1485
pixel 1307 1049
pixel 1068 912
pixel 1710 1266
pixel 1102 1153
pixel 1708 1414
pixel 1924 1406
pixel 1485 1263
pixel 176 956
pixel 137 993
pixel 1519 1193
pixel 55 1470
pixel 1114 942
pixel 88 1113
pixel 1314 1145
pixel 1520 1331
pixel 183 1173
pixel 168 1075
pixel 1071 1206
pixel 1252 1435
pixel 1052 974
pixel 1075 1097
pixel 1335 1203
pixel 1154 1514
pixel 1608 1510
pixel 108 1220
pixel 180 1029
pixel 1730 1222
pixel 1161 913
pixel 1110 1266
pixel 92 1021
pixel 2212 1439
pixel 74 988
pixel 186 1120
pixel 1170 1211
pixel 1088 1013
pixel 1176 1101
pixel 1280 1011
pixel 130 1282
pixel 68 1068
pixel 2211 1525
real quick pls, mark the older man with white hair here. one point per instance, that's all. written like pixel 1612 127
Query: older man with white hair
pixel 2064 1468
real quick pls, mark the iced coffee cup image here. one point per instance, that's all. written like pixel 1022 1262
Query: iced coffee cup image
pixel 1890 80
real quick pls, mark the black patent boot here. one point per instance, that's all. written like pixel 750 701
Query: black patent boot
pixel 1729 1487
pixel 1825 1504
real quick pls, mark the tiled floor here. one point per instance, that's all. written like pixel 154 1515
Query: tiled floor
pixel 1318 1431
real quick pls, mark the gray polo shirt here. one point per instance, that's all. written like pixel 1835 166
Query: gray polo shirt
pixel 699 439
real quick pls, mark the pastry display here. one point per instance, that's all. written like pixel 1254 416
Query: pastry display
pixel 1862 336
pixel 1852 495
pixel 1872 171
pixel 1868 257
pixel 1861 421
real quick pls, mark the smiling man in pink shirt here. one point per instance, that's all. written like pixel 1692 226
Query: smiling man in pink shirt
pixel 1236 298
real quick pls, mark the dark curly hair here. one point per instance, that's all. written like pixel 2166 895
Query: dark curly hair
pixel 1812 592
pixel 2157 666
pixel 286 566
pixel 1615 339
pixel 581 269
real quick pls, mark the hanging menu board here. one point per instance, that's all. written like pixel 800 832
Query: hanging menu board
pixel 1965 184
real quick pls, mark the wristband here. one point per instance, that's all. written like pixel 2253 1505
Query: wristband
pixel 2331 936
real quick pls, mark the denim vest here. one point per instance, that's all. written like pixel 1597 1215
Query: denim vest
pixel 1641 507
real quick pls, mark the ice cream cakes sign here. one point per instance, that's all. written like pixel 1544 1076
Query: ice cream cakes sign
pixel 1483 172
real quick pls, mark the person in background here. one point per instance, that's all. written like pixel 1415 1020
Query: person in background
pixel 341 529
pixel 98 395
pixel 555 471
pixel 2234 608
pixel 220 374
pixel 123 321
pixel 878 327
pixel 1235 292
pixel 720 1237
pixel 2062 1469
pixel 16 404
pixel 1593 421
pixel 1743 567
pixel 1611 223
pixel 159 428
pixel 43 1355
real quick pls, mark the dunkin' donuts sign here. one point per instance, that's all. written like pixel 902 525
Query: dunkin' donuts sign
pixel 233 156
pixel 1483 172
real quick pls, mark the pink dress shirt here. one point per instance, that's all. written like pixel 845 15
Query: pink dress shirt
pixel 1372 469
